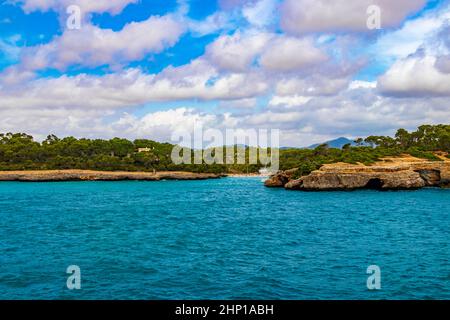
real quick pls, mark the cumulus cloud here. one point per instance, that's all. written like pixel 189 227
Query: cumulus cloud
pixel 415 76
pixel 443 46
pixel 14 75
pixel 352 113
pixel 359 111
pixel 42 121
pixel 443 64
pixel 231 4
pixel 356 84
pixel 132 87
pixel 247 103
pixel 163 124
pixel 9 49
pixel 426 72
pixel 312 85
pixel 275 53
pixel 288 54
pixel 87 6
pixel 237 52
pixel 305 16
pixel 289 101
pixel 260 13
pixel 215 76
pixel 91 46
pixel 158 125
pixel 408 39
pixel 213 23
pixel 427 33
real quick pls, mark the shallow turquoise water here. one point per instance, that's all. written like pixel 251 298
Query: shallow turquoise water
pixel 220 239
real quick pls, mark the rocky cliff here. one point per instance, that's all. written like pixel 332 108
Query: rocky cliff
pixel 398 173
pixel 86 175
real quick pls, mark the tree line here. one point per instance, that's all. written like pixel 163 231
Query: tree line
pixel 422 143
pixel 19 151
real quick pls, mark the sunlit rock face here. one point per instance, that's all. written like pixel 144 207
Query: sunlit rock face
pixel 389 174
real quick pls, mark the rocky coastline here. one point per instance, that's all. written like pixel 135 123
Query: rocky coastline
pixel 400 173
pixel 87 175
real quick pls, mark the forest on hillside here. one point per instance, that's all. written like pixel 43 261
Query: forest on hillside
pixel 20 151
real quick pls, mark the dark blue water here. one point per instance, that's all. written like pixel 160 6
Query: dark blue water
pixel 220 239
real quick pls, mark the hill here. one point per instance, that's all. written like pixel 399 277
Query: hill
pixel 336 143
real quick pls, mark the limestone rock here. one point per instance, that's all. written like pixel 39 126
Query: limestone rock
pixel 390 174
pixel 280 179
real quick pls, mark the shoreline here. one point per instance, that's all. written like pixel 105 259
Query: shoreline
pixel 91 175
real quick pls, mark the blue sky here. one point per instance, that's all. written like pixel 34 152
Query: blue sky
pixel 312 69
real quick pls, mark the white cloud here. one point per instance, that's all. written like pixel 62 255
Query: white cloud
pixel 237 52
pixel 260 13
pixel 42 121
pixel 424 73
pixel 406 41
pixel 240 51
pixel 232 4
pixel 420 33
pixel 13 75
pixel 287 54
pixel 304 16
pixel 91 46
pixel 158 125
pixel 351 113
pixel 247 103
pixel 357 84
pixel 213 23
pixel 87 6
pixel 162 124
pixel 198 80
pixel 415 76
pixel 9 49
pixel 271 119
pixel 311 85
pixel 443 64
pixel 289 101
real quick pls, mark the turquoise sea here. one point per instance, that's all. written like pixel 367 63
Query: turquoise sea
pixel 220 239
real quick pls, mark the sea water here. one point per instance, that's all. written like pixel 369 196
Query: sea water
pixel 220 239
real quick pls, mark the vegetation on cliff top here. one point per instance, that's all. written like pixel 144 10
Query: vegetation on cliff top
pixel 20 152
pixel 420 143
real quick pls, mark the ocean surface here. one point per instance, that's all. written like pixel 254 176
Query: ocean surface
pixel 220 239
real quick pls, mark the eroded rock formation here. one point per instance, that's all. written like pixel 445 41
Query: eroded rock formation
pixel 280 179
pixel 389 174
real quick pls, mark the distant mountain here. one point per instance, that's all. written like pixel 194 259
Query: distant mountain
pixel 336 143
pixel 289 148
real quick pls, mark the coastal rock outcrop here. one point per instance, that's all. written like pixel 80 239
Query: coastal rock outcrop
pixel 389 174
pixel 431 177
pixel 280 179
